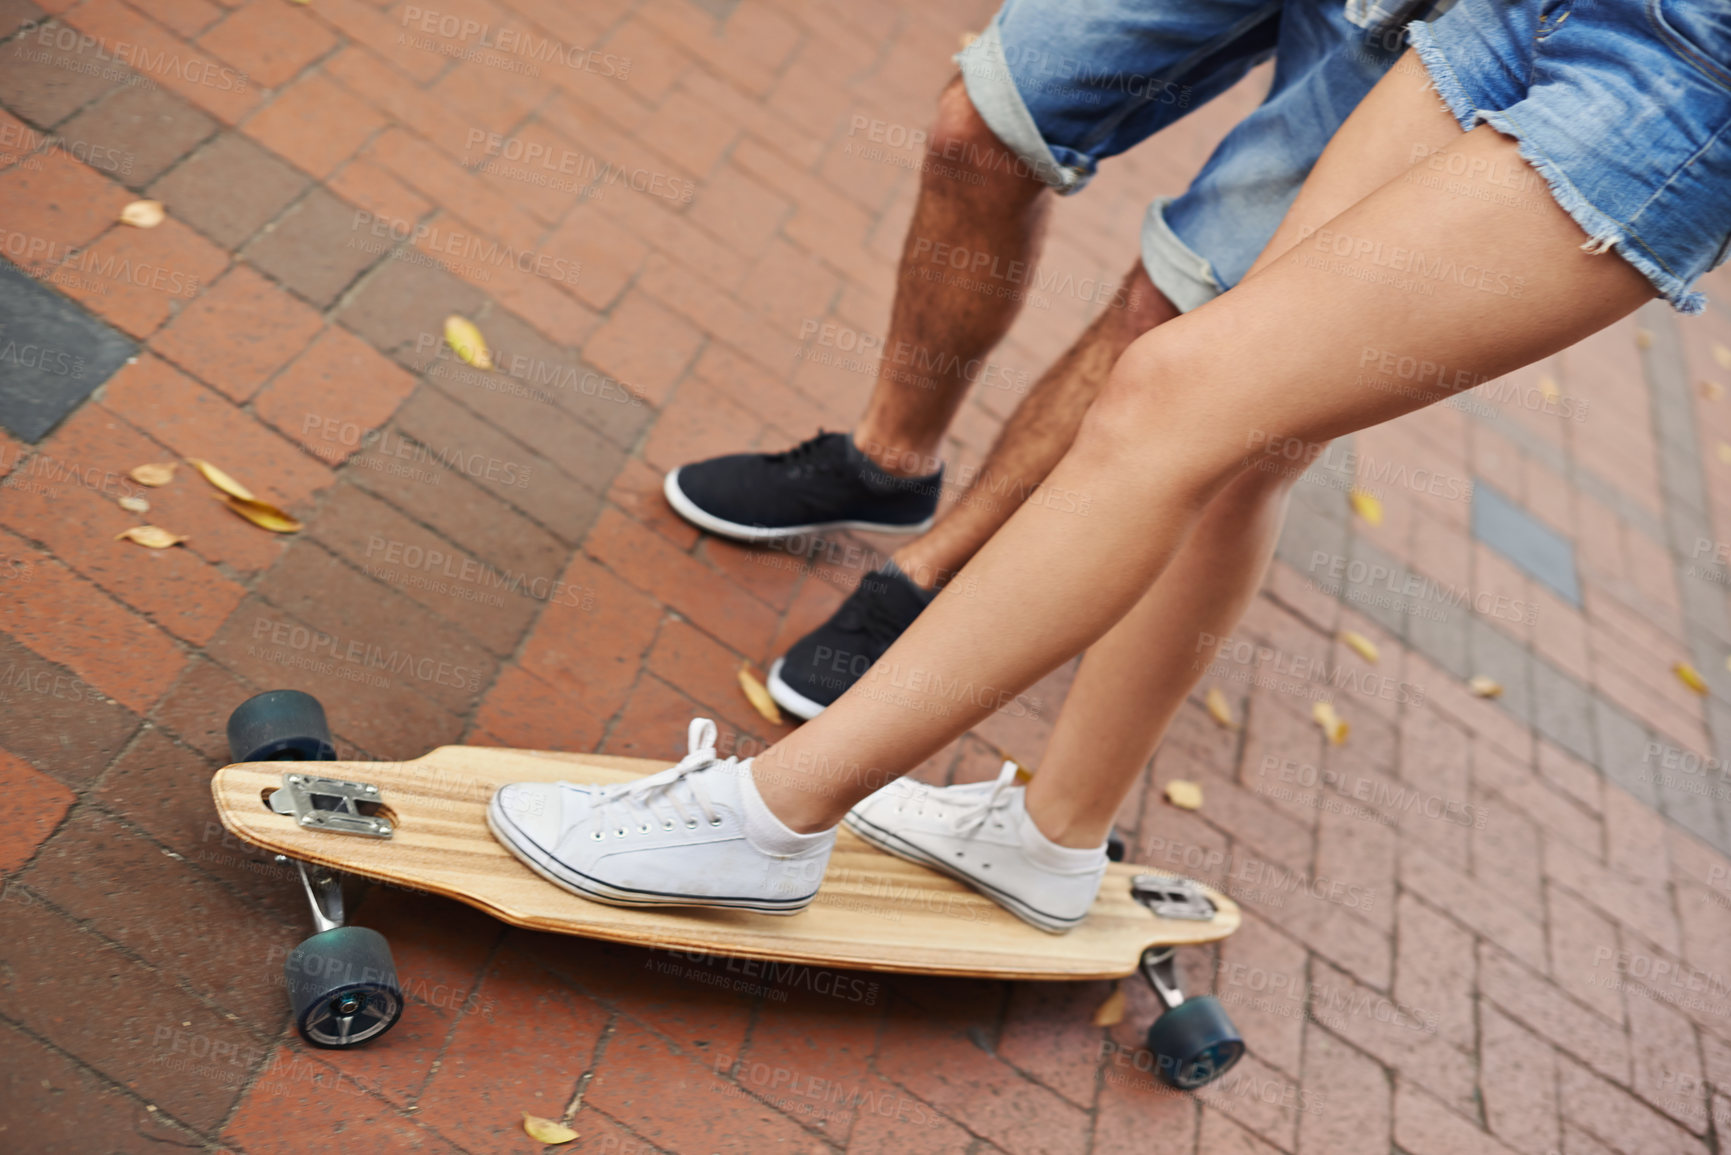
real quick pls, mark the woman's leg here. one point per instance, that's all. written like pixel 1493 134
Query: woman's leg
pixel 1486 286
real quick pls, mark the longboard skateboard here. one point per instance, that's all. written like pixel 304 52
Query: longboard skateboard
pixel 422 824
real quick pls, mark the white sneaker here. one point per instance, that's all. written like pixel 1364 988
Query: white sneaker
pixel 981 834
pixel 694 835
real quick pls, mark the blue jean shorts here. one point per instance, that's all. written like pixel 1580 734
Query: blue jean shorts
pixel 1064 84
pixel 1623 107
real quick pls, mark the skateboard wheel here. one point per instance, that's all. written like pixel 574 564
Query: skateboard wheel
pixel 343 987
pixel 280 725
pixel 1114 846
pixel 1194 1043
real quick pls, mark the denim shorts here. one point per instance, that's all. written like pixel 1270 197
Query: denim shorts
pixel 1065 84
pixel 1623 107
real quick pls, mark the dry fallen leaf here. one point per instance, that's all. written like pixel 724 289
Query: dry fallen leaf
pixel 1184 794
pixel 1690 677
pixel 220 479
pixel 758 694
pixel 466 342
pixel 1111 1012
pixel 262 513
pixel 1724 451
pixel 1366 505
pixel 1548 387
pixel 1643 338
pixel 154 473
pixel 1361 645
pixel 1332 723
pixel 150 536
pixel 134 504
pixel 1711 390
pixel 143 214
pixel 1485 687
pixel 1218 708
pixel 546 1131
pixel 1722 355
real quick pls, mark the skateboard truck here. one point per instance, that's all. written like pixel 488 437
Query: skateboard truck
pixel 331 804
pixel 1193 1042
pixel 1168 896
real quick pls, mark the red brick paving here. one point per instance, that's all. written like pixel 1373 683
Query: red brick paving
pixel 1548 979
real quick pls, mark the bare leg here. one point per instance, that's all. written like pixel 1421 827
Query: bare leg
pixel 1171 428
pixel 1036 436
pixel 1004 215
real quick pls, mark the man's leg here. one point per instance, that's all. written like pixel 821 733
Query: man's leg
pixel 996 206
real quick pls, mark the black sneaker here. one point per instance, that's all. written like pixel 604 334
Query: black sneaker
pixel 824 663
pixel 824 483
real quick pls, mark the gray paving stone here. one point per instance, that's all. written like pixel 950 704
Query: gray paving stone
pixel 1379 596
pixel 1445 642
pixel 1496 655
pixel 53 354
pixel 1563 711
pixel 1538 550
pixel 1623 750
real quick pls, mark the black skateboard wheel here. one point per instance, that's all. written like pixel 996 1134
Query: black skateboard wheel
pixel 280 726
pixel 1194 1043
pixel 343 987
pixel 1114 846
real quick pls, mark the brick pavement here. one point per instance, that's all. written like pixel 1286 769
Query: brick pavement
pixel 1494 926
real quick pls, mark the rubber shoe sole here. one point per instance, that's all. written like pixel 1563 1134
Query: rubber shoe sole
pixel 890 843
pixel 753 534
pixel 790 699
pixel 536 858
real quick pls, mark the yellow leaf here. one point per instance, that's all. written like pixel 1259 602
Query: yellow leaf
pixel 758 694
pixel 1485 687
pixel 154 474
pixel 1361 645
pixel 261 513
pixel 150 536
pixel 1366 505
pixel 1111 1012
pixel 1643 339
pixel 1711 390
pixel 1548 387
pixel 134 504
pixel 1332 723
pixel 1722 355
pixel 1690 677
pixel 1218 708
pixel 466 342
pixel 1724 452
pixel 143 214
pixel 546 1131
pixel 1183 794
pixel 220 479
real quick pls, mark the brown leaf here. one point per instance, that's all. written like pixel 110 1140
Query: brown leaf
pixel 1111 1012
pixel 154 474
pixel 150 536
pixel 134 504
pixel 546 1131
pixel 220 479
pixel 758 695
pixel 143 214
pixel 261 513
pixel 1485 687
pixel 1711 390
pixel 1332 723
pixel 1184 794
pixel 1360 645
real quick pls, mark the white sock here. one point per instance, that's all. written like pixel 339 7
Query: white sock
pixel 764 830
pixel 1042 851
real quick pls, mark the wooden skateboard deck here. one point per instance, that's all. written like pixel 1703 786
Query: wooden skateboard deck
pixel 873 911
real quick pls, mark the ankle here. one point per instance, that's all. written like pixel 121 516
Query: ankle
pixel 897 455
pixel 1067 829
pixel 923 571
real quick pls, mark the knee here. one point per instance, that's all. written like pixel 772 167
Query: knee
pixel 960 136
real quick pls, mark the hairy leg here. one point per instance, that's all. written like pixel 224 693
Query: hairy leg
pixel 1171 429
pixel 1003 214
pixel 1036 436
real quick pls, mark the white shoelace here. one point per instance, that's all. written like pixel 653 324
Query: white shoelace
pixel 971 818
pixel 617 808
